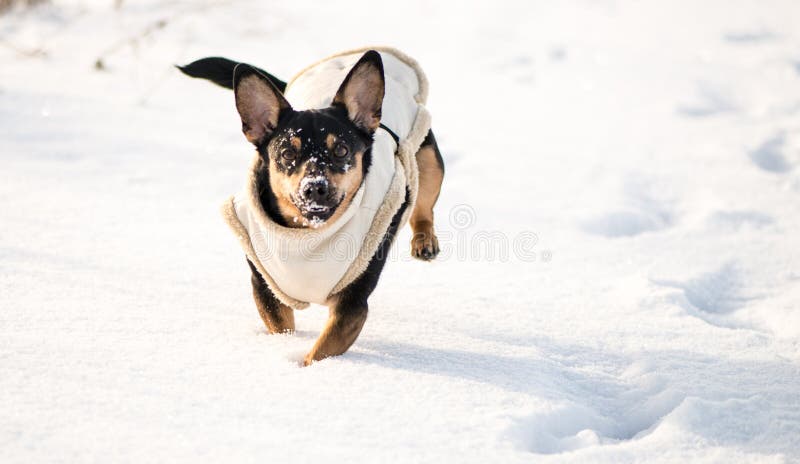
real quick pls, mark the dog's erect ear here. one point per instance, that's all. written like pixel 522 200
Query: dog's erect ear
pixel 259 103
pixel 362 92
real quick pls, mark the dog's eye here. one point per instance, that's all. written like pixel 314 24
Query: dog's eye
pixel 288 154
pixel 341 150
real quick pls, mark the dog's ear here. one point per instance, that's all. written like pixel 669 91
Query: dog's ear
pixel 259 103
pixel 362 92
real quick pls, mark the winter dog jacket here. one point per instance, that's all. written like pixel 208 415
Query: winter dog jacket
pixel 310 265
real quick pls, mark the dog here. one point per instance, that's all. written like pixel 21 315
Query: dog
pixel 310 166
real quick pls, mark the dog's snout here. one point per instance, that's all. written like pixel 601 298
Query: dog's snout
pixel 315 190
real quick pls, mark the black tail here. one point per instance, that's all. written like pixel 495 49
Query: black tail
pixel 220 71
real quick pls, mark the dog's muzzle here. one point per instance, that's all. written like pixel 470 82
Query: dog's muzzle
pixel 315 198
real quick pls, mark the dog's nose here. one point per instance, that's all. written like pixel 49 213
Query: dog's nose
pixel 315 190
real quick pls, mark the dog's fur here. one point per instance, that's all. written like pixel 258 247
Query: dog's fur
pixel 304 181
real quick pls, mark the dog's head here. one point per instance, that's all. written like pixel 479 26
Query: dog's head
pixel 316 159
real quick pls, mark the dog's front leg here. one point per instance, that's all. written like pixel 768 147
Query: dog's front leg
pixel 347 317
pixel 278 317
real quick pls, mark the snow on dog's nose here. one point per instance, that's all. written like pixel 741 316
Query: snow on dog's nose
pixel 315 192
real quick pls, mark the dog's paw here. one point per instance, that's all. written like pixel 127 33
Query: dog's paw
pixel 425 245
pixel 307 360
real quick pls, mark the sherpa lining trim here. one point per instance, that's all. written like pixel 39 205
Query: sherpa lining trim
pixel 406 166
pixel 421 97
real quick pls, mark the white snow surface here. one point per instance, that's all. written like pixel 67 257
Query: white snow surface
pixel 635 166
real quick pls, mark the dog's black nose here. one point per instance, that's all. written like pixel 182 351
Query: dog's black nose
pixel 315 190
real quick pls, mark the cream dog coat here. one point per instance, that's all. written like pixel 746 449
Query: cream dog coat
pixel 310 265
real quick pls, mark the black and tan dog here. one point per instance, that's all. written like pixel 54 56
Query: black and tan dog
pixel 286 163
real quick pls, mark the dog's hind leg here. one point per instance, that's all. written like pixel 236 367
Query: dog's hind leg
pixel 278 317
pixel 424 244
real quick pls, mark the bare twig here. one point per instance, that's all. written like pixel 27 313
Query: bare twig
pixel 150 29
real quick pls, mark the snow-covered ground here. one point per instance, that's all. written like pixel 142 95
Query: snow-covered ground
pixel 635 166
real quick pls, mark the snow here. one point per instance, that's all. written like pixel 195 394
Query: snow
pixel 638 161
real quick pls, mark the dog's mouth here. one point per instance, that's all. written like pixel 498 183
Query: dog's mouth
pixel 313 213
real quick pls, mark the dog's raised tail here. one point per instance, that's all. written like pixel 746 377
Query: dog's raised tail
pixel 220 71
